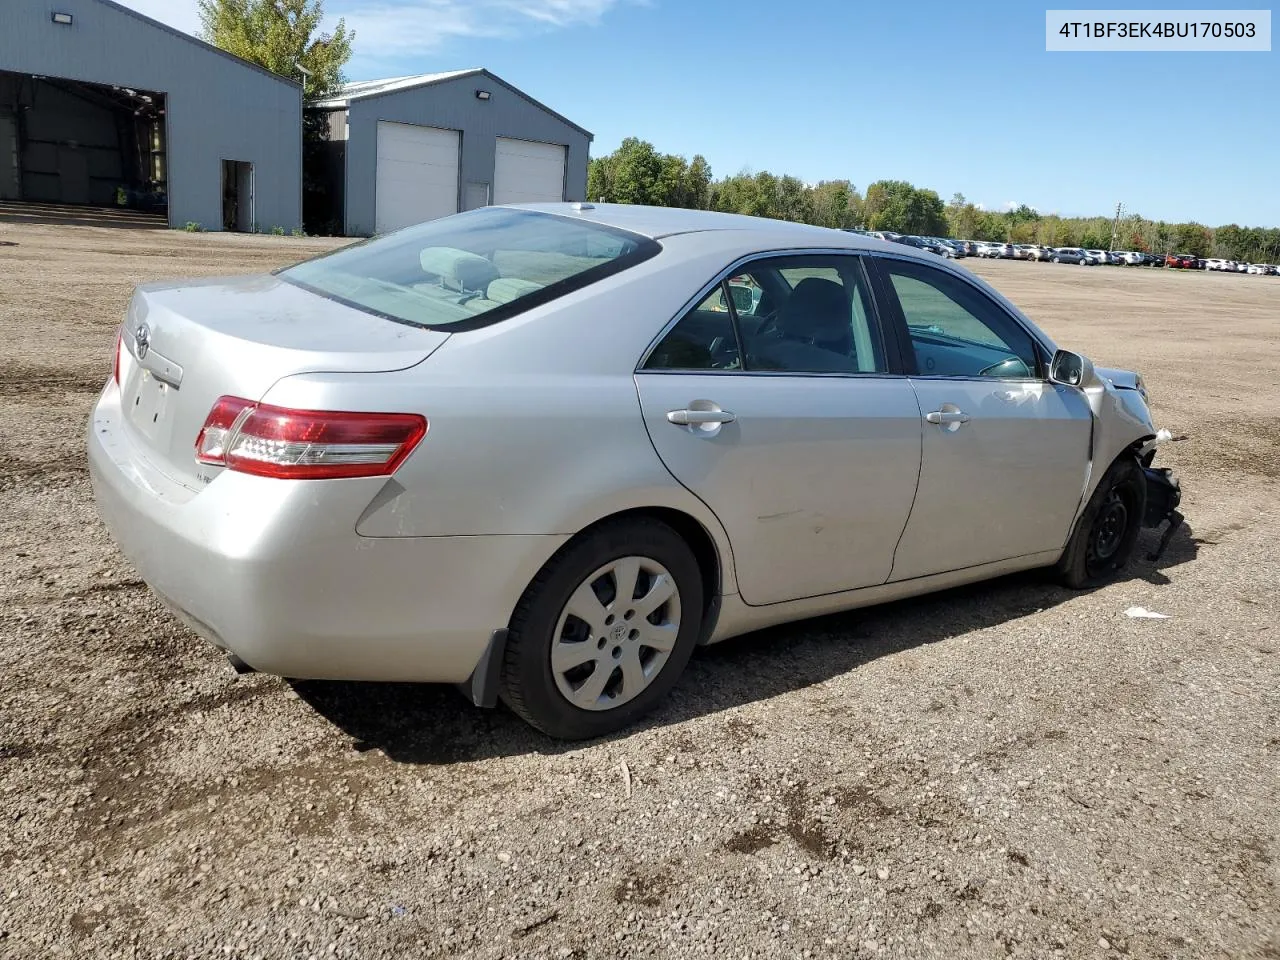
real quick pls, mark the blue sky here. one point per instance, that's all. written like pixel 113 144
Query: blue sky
pixel 953 96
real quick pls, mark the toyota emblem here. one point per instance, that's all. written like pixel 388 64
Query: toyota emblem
pixel 142 339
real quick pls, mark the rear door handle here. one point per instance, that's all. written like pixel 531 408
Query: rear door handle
pixel 947 416
pixel 687 418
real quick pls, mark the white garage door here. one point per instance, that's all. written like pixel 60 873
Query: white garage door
pixel 417 175
pixel 528 172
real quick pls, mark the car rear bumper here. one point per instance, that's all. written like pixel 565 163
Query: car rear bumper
pixel 274 572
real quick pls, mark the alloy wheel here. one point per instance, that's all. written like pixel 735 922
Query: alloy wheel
pixel 615 633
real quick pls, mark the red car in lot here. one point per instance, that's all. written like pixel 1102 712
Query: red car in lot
pixel 1183 260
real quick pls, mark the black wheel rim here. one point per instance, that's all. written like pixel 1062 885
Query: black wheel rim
pixel 1109 528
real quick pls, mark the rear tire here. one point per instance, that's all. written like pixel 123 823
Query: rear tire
pixel 577 664
pixel 1107 532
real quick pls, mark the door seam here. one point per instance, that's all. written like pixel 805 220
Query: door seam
pixel 916 492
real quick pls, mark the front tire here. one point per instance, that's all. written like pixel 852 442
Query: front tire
pixel 1107 532
pixel 604 631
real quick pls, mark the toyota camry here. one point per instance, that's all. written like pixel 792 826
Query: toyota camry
pixel 544 451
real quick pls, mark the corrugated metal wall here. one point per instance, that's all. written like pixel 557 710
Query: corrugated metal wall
pixel 452 104
pixel 219 108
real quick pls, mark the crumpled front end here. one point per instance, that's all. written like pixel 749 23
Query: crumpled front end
pixel 1164 490
pixel 1164 494
pixel 1120 401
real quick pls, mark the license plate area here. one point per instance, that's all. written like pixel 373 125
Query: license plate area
pixel 148 407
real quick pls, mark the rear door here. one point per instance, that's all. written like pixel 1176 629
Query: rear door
pixel 789 421
pixel 1005 452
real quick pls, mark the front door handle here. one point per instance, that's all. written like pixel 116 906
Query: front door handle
pixel 688 418
pixel 947 416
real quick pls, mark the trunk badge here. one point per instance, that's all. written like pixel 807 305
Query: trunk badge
pixel 142 340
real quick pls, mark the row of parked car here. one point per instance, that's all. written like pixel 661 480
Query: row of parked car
pixel 954 249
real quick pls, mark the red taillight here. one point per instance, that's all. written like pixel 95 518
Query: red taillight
pixel 306 444
pixel 115 370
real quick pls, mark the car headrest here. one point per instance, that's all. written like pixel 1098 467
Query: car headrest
pixel 458 269
pixel 816 310
pixel 506 289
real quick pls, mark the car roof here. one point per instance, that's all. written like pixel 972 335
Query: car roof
pixel 658 222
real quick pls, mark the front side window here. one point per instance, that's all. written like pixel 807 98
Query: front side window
pixel 799 314
pixel 956 330
pixel 471 268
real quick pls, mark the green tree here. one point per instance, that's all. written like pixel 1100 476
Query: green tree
pixel 281 35
pixel 1192 238
pixel 697 183
pixel 1228 241
pixel 990 226
pixel 962 217
pixel 835 203
pixel 1022 214
pixel 631 174
pixel 284 37
pixel 792 200
pixel 1022 231
pixel 637 173
pixel 898 206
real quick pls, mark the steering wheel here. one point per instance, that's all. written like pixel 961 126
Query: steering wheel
pixel 768 323
pixel 724 353
pixel 1008 367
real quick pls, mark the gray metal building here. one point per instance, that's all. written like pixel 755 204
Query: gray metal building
pixel 415 148
pixel 101 105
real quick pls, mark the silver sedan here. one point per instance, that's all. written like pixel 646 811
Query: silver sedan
pixel 545 451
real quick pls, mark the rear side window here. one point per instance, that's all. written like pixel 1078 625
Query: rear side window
pixel 799 314
pixel 704 339
pixel 471 269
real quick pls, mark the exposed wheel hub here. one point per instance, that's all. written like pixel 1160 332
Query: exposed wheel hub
pixel 1109 528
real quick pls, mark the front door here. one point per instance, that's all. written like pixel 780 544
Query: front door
pixel 1005 452
pixel 785 421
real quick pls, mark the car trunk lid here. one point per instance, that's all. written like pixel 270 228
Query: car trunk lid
pixel 186 344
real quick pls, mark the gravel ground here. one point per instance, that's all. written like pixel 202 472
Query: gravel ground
pixel 1003 770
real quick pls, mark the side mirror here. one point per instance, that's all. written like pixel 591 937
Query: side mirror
pixel 742 299
pixel 1071 369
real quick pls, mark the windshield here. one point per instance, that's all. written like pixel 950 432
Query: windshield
pixel 471 269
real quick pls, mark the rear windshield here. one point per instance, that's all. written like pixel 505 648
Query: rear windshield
pixel 471 269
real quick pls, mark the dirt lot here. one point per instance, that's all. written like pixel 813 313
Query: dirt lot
pixel 1004 770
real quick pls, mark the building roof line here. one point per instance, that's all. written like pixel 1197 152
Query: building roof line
pixel 341 98
pixel 119 8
